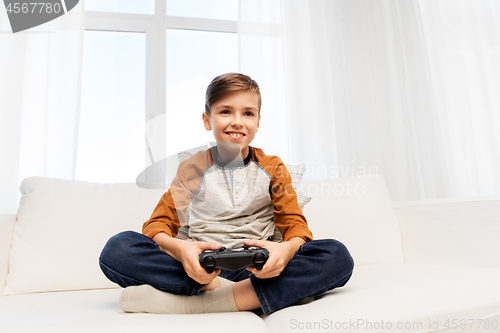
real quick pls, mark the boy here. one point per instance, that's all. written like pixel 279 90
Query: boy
pixel 229 195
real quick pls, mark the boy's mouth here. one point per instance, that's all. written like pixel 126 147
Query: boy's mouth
pixel 235 135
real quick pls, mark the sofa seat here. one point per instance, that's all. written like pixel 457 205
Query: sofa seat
pixel 97 311
pixel 421 266
pixel 422 297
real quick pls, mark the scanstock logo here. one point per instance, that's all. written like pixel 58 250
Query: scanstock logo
pixel 24 15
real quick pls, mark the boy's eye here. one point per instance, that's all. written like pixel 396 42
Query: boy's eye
pixel 247 113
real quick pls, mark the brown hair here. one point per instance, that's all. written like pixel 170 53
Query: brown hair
pixel 227 83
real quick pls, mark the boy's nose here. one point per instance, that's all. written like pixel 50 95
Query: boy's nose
pixel 236 122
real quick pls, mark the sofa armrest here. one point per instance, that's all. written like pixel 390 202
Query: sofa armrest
pixel 458 232
pixel 6 230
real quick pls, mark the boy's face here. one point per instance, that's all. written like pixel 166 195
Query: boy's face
pixel 235 119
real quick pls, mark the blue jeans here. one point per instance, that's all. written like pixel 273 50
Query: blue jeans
pixel 131 259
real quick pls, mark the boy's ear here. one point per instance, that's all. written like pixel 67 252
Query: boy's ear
pixel 206 121
pixel 258 123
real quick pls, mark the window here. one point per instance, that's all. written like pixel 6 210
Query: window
pixel 141 66
pixel 112 106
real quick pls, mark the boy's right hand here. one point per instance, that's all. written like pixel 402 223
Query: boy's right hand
pixel 190 259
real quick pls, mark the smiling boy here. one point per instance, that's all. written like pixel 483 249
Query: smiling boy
pixel 235 118
pixel 229 195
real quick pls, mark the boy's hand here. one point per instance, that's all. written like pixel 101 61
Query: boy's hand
pixel 279 256
pixel 189 255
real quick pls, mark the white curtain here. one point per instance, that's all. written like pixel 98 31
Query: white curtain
pixel 39 88
pixel 404 88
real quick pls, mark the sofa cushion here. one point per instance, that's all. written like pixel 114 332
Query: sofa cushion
pixel 401 298
pixel 296 173
pixel 6 227
pixel 357 212
pixel 62 227
pixel 451 231
pixel 97 311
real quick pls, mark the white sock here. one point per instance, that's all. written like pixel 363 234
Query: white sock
pixel 147 299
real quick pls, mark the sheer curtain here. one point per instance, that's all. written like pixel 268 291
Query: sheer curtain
pixel 405 89
pixel 39 89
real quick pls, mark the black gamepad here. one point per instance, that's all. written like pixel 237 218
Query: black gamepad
pixel 234 259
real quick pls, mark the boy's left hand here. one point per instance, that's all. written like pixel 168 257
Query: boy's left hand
pixel 279 256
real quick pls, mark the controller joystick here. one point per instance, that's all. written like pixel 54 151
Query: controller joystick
pixel 209 264
pixel 259 260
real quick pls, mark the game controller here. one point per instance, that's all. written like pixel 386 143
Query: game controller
pixel 234 259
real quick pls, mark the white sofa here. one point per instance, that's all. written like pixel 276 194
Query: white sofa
pixel 421 266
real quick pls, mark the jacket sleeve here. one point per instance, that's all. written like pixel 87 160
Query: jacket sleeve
pixel 170 212
pixel 288 217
